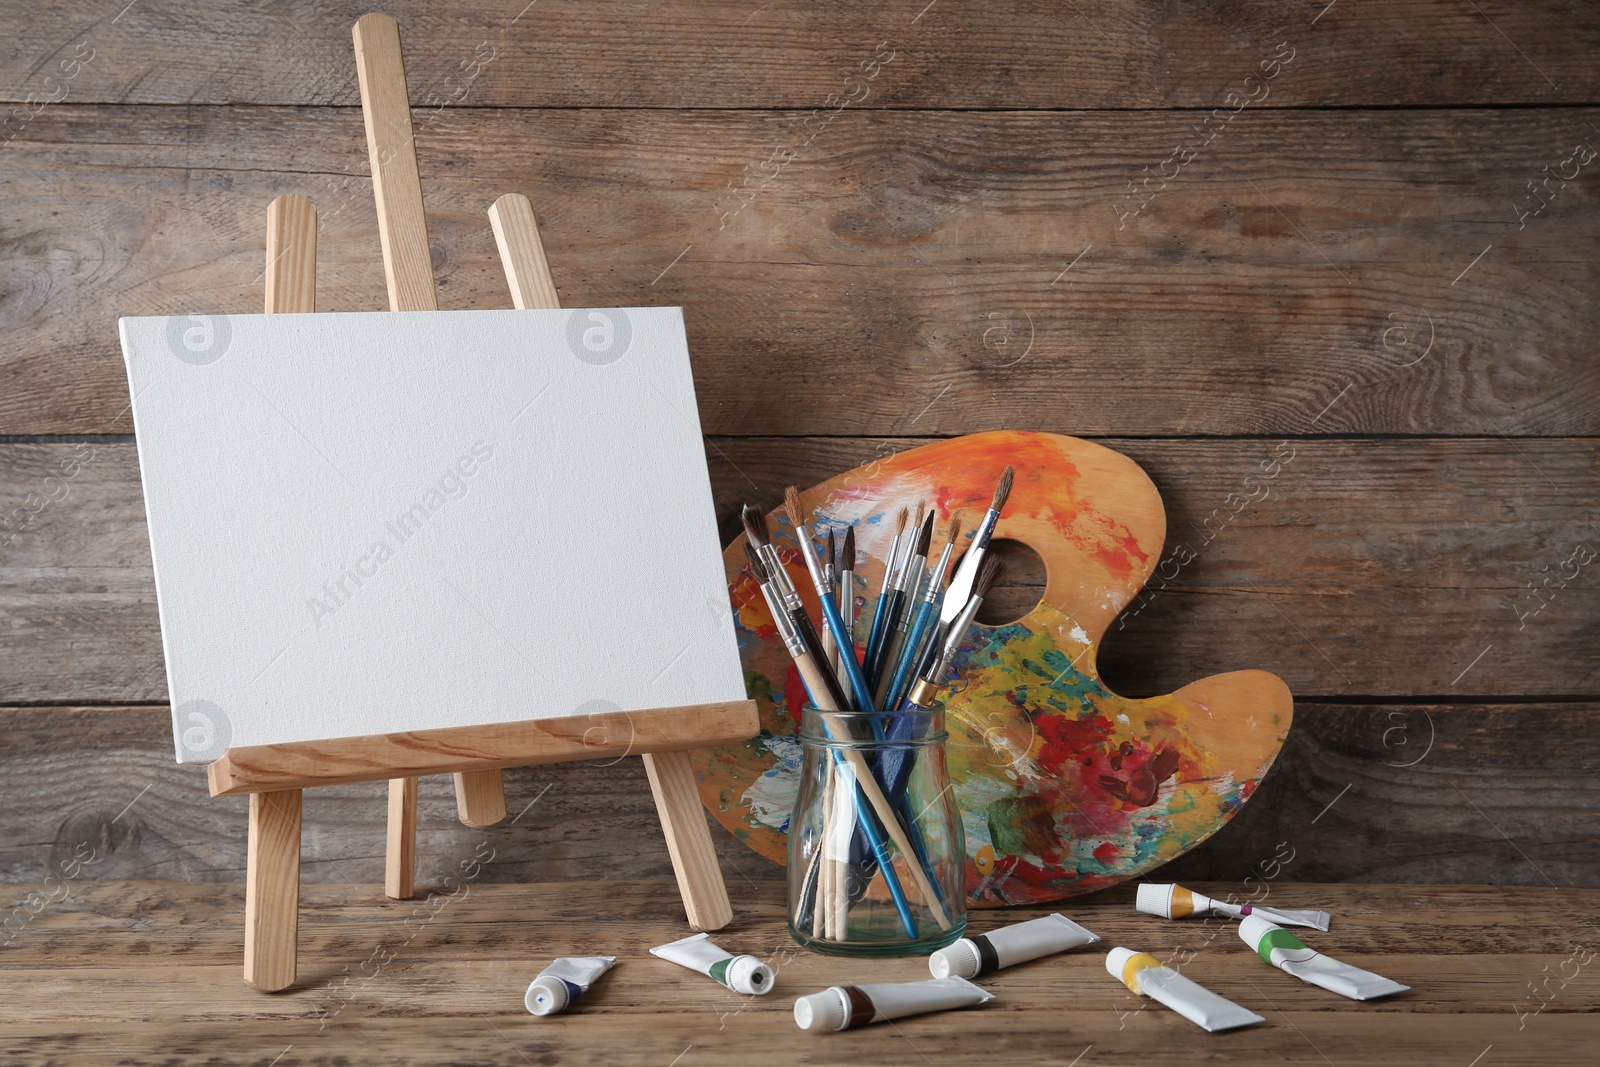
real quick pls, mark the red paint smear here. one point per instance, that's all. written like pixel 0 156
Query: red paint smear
pixel 794 694
pixel 1107 852
pixel 745 593
pixel 1066 737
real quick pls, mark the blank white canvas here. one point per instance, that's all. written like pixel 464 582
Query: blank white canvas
pixel 373 523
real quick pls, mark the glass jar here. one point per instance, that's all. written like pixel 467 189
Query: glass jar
pixel 877 858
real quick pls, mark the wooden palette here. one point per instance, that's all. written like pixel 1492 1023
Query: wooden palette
pixel 1064 786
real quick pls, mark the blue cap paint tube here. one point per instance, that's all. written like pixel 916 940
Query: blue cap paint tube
pixel 563 982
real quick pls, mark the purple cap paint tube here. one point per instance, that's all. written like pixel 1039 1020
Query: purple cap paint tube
pixel 1288 953
pixel 1175 902
pixel 1017 943
pixel 847 1007
pixel 1143 973
pixel 742 974
pixel 563 982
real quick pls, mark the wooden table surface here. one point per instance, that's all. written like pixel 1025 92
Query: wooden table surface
pixel 148 972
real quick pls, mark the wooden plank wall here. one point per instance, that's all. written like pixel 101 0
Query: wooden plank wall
pixel 1201 233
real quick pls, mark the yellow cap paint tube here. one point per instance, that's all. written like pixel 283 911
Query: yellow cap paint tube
pixel 1288 953
pixel 1017 943
pixel 1175 902
pixel 564 981
pixel 1143 973
pixel 847 1007
pixel 742 974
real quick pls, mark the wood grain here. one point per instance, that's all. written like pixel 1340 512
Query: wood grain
pixel 272 890
pixel 291 271
pixel 149 967
pixel 480 798
pixel 400 838
pixel 1284 284
pixel 683 824
pixel 305 764
pixel 1395 563
pixel 392 155
pixel 737 54
pixel 74 780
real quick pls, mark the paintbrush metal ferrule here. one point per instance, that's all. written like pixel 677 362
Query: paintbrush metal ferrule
pixel 888 566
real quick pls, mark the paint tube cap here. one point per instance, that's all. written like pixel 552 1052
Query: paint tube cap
pixel 1155 899
pixel 959 959
pixel 1252 928
pixel 746 974
pixel 547 995
pixel 821 1011
pixel 1117 959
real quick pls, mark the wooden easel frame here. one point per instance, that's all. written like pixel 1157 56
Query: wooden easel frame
pixel 275 775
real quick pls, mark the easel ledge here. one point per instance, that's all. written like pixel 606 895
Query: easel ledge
pixel 308 764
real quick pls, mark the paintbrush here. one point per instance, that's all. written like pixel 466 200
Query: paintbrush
pixel 911 653
pixel 932 678
pixel 911 579
pixel 961 583
pixel 792 608
pixel 825 696
pixel 880 616
pixel 826 589
pixel 830 610
pixel 847 590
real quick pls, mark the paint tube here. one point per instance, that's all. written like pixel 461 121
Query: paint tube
pixel 742 974
pixel 1175 902
pixel 1143 973
pixel 846 1007
pixel 1288 953
pixel 1017 943
pixel 565 980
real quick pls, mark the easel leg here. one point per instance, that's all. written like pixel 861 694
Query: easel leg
pixel 400 858
pixel 683 821
pixel 272 890
pixel 480 798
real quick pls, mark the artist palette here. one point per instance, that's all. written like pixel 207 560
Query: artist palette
pixel 1064 787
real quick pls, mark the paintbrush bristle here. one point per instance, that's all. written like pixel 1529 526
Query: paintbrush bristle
pixel 847 555
pixel 925 537
pixel 755 525
pixel 1003 490
pixel 757 568
pixel 900 522
pixel 987 573
pixel 954 533
pixel 791 504
pixel 833 556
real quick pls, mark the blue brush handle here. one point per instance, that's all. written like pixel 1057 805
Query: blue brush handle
pixel 908 652
pixel 852 669
pixel 869 828
pixel 880 852
pixel 875 634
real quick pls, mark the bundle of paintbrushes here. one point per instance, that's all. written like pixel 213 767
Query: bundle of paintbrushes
pixel 875 694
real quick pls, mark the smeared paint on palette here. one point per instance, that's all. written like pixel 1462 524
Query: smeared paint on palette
pixel 1064 786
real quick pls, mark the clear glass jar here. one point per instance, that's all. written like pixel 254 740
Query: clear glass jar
pixel 875 788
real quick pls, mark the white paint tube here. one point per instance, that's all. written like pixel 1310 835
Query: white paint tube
pixel 1017 943
pixel 565 980
pixel 1143 973
pixel 846 1007
pixel 1175 902
pixel 742 974
pixel 1288 953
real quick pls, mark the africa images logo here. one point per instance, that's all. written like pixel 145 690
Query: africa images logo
pixel 452 485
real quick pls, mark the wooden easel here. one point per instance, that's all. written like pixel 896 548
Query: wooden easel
pixel 275 775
